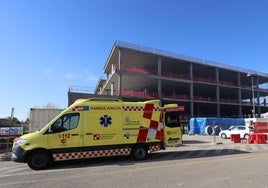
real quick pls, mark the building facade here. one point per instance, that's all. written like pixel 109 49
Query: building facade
pixel 205 88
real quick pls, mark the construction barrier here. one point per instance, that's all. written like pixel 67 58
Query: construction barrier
pixel 260 139
pixel 235 138
pixel 251 139
pixel 257 138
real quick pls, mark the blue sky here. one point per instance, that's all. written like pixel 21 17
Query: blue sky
pixel 46 46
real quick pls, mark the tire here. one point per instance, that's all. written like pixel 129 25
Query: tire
pixel 38 160
pixel 217 130
pixel 139 152
pixel 223 136
pixel 209 130
pixel 246 136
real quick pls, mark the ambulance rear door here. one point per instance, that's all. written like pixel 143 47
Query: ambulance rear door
pixel 172 126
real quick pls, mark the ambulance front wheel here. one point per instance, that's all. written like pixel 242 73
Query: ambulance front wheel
pixel 139 152
pixel 38 160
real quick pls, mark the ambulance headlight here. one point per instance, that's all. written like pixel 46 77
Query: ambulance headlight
pixel 21 142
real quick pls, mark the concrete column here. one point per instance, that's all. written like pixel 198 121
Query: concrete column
pixel 119 89
pixel 191 91
pixel 159 63
pixel 217 75
pixel 113 69
pixel 191 71
pixel 112 88
pixel 159 84
pixel 218 101
pixel 218 92
pixel 258 97
pixel 239 93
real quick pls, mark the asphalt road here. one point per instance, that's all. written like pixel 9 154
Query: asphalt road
pixel 201 162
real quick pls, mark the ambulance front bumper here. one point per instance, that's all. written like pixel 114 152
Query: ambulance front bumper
pixel 18 154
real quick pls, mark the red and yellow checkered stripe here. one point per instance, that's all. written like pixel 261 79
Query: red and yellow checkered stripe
pixel 90 154
pixel 155 129
pixel 138 108
pixel 98 153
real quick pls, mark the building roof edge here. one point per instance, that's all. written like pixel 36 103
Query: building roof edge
pixel 184 57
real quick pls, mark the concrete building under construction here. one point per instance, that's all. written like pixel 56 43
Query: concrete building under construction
pixel 205 88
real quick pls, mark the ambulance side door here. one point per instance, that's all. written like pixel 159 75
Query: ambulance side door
pixel 66 131
pixel 103 127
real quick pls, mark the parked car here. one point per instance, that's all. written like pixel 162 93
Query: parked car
pixel 242 130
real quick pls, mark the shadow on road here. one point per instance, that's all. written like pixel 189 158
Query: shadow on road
pixel 187 142
pixel 154 157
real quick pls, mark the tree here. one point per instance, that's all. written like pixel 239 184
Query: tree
pixel 5 122
pixel 50 106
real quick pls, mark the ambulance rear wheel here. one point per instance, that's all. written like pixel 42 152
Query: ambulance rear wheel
pixel 39 160
pixel 139 152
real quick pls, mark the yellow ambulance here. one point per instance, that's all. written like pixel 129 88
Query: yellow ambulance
pixel 99 128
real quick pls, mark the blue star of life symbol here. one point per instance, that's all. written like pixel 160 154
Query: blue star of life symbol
pixel 105 120
pixel 127 135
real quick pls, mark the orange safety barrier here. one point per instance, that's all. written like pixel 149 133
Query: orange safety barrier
pixel 260 139
pixel 235 138
pixel 251 139
pixel 257 138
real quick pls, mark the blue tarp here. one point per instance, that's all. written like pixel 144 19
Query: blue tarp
pixel 198 124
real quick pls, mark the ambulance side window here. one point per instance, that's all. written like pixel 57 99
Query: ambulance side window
pixel 65 123
pixel 172 119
